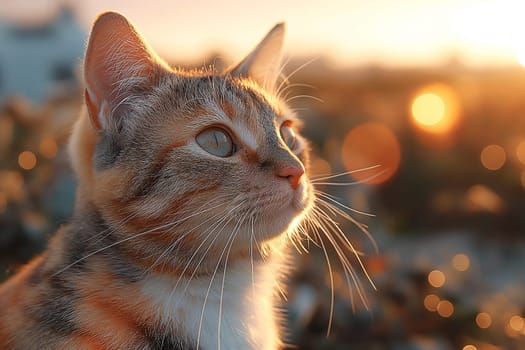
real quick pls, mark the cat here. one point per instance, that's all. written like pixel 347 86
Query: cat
pixel 191 187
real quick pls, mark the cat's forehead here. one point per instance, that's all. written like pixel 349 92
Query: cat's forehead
pixel 222 99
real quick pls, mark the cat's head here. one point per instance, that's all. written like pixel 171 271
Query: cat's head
pixel 183 157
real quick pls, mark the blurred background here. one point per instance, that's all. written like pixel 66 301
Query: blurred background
pixel 432 91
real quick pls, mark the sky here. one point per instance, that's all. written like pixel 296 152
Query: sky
pixel 349 33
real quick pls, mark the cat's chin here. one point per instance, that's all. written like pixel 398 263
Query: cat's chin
pixel 285 215
pixel 301 198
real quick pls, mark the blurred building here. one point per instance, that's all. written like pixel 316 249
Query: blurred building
pixel 36 59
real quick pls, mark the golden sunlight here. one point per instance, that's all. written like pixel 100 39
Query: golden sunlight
pixel 435 109
pixel 502 38
pixel 520 55
pixel 428 109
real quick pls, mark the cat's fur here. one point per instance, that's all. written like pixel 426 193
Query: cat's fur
pixel 170 247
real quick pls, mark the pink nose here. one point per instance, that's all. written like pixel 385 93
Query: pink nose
pixel 292 173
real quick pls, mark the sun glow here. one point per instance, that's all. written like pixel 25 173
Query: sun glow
pixel 428 109
pixel 504 37
pixel 435 109
pixel 520 55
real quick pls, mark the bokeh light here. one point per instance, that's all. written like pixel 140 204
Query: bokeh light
pixel 480 198
pixel 371 145
pixel 27 160
pixel 461 262
pixel 12 185
pixel 493 157
pixel 445 308
pixel 48 147
pixel 470 347
pixel 436 278
pixel 483 320
pixel 435 109
pixel 517 323
pixel 431 302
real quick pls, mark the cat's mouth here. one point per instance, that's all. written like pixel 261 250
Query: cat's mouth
pixel 292 202
pixel 300 197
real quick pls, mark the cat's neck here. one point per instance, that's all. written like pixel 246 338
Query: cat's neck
pixel 233 304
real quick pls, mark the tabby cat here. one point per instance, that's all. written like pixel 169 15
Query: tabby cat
pixel 191 186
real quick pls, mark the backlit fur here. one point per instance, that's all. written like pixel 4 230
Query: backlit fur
pixel 170 247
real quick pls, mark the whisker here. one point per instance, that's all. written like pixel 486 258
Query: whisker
pixel 295 71
pixel 223 222
pixel 334 200
pixel 236 230
pixel 220 224
pixel 276 282
pixel 281 75
pixel 334 228
pixel 326 177
pixel 289 87
pixel 344 215
pixel 173 245
pixel 332 292
pixel 252 235
pixel 305 96
pixel 189 231
pixel 126 240
pixel 209 289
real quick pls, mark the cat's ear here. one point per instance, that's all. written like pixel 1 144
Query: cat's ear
pixel 263 64
pixel 118 64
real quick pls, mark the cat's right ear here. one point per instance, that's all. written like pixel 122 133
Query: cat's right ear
pixel 263 64
pixel 118 64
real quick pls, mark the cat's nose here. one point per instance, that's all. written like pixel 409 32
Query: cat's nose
pixel 292 173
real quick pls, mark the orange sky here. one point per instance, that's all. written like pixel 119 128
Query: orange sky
pixel 352 32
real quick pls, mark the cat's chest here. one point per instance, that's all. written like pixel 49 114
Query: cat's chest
pixel 239 312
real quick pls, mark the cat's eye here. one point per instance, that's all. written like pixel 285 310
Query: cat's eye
pixel 288 136
pixel 216 141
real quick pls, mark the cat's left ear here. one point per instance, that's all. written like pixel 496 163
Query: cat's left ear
pixel 263 64
pixel 119 64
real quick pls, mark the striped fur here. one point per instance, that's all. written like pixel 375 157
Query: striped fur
pixel 170 247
